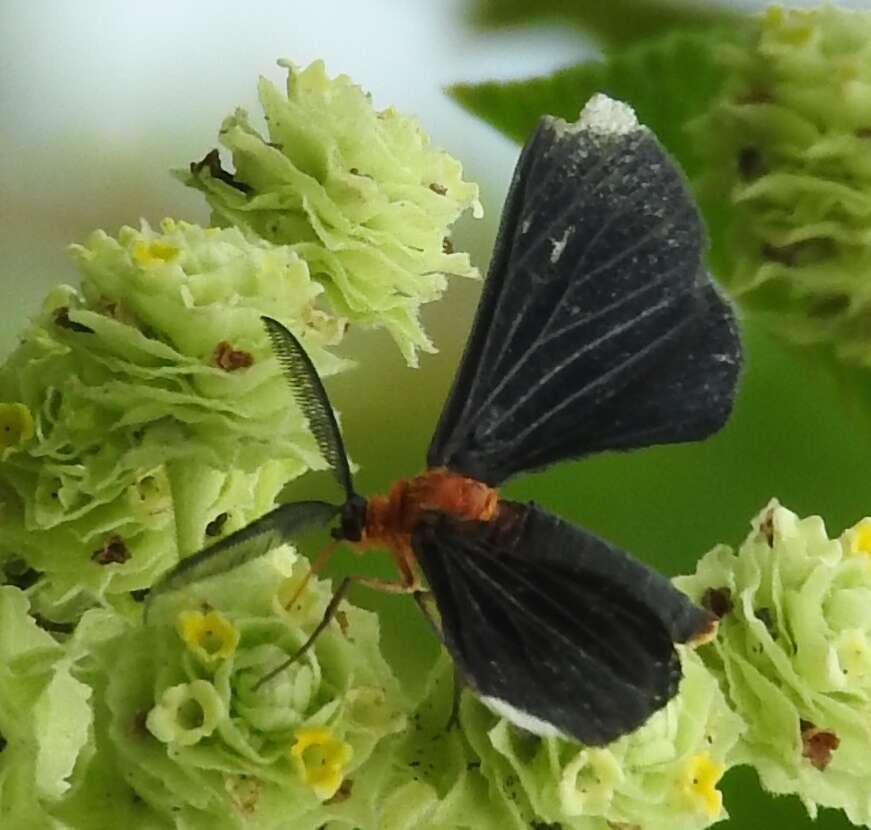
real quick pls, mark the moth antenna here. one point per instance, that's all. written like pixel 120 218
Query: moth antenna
pixel 311 397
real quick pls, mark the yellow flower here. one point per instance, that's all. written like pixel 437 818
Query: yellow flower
pixel 16 425
pixel 156 251
pixel 322 759
pixel 859 537
pixel 209 635
pixel 699 784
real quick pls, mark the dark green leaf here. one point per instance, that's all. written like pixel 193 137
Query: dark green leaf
pixel 668 81
pixel 615 24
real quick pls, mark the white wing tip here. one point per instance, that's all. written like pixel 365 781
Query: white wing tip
pixel 602 114
pixel 524 720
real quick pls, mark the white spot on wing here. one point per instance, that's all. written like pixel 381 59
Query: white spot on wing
pixel 559 245
pixel 523 719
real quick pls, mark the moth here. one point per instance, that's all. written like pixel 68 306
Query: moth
pixel 598 329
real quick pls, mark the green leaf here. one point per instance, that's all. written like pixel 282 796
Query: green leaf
pixel 615 24
pixel 668 81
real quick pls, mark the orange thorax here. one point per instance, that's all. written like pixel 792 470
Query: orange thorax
pixel 391 519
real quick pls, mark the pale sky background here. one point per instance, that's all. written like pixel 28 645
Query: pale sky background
pixel 99 99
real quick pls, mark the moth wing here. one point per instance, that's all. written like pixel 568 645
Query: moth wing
pixel 595 302
pixel 256 539
pixel 556 628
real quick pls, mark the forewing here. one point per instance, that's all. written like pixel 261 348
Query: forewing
pixel 311 397
pixel 595 303
pixel 256 539
pixel 561 627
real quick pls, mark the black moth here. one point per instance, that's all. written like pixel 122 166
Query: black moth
pixel 598 329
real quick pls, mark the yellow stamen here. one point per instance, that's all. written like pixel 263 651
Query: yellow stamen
pixel 209 635
pixel 699 784
pixel 16 425
pixel 322 759
pixel 156 251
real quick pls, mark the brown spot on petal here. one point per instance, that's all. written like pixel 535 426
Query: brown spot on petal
pixel 818 744
pixel 114 551
pixel 766 527
pixel 229 359
pixel 435 187
pixel 718 601
pixel 343 793
pixel 447 246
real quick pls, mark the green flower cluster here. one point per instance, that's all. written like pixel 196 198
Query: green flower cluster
pixel 359 194
pixel 166 723
pixel 664 775
pixel 787 178
pixel 46 712
pixel 144 414
pixel 151 407
pixel 793 654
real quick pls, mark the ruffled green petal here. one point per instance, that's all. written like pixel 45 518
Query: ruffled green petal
pixel 792 654
pixel 664 775
pixel 360 195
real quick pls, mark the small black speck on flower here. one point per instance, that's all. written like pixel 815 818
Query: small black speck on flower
pixel 214 527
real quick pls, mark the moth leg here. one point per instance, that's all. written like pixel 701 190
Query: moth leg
pixel 383 585
pixel 319 561
pixel 426 602
pixel 454 719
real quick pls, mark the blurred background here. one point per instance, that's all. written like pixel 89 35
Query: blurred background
pixel 99 100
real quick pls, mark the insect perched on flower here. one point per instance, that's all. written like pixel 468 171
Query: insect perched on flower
pixel 598 329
